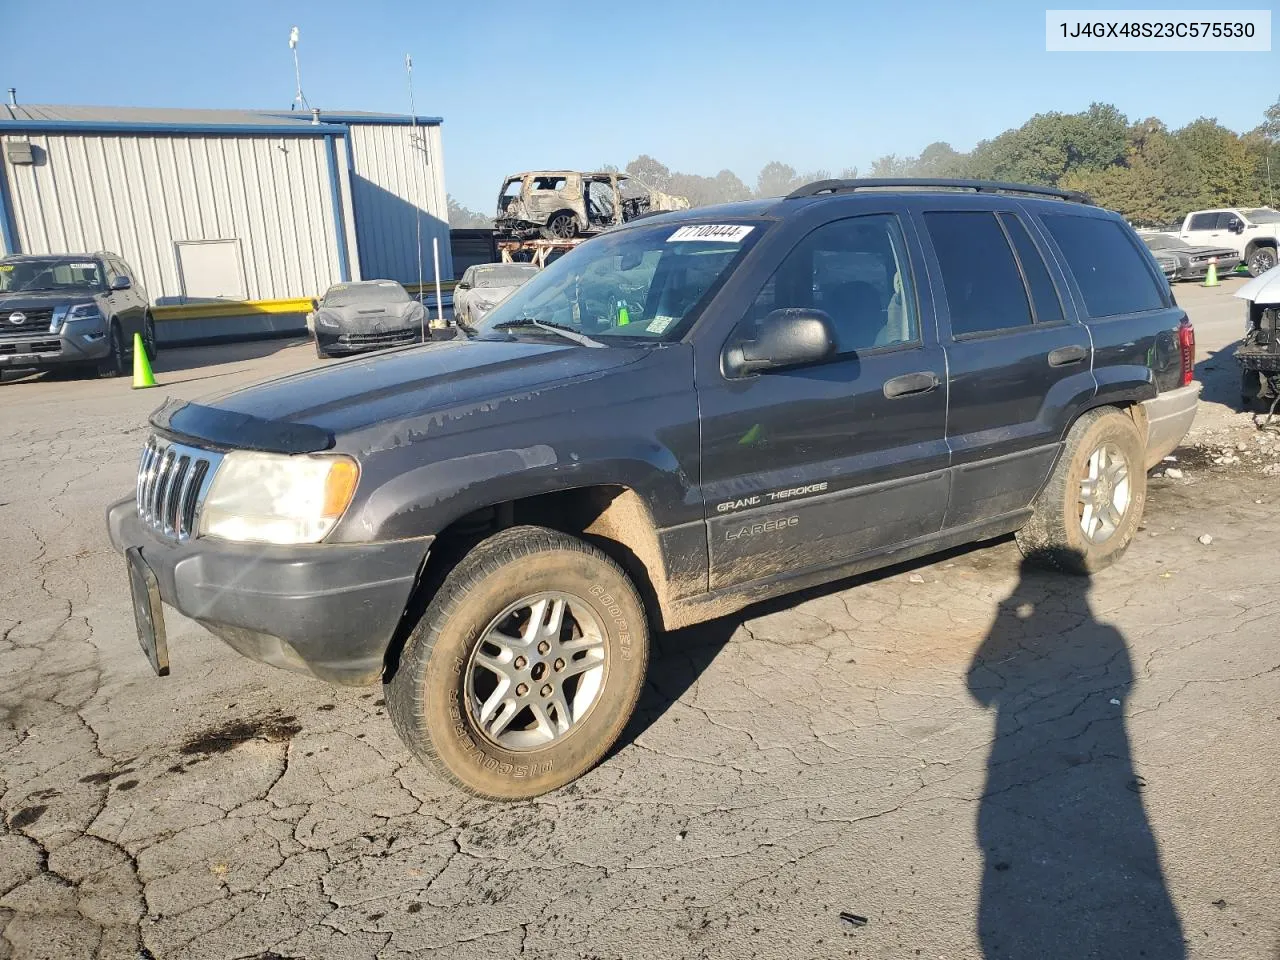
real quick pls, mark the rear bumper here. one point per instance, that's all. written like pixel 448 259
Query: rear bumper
pixel 328 610
pixel 1169 417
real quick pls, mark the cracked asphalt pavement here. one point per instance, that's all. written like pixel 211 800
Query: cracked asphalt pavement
pixel 981 761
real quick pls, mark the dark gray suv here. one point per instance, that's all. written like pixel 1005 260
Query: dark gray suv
pixel 72 310
pixel 686 414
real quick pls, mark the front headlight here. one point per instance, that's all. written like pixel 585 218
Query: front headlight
pixel 325 319
pixel 81 311
pixel 277 498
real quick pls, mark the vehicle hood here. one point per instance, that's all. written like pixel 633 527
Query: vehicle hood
pixel 365 317
pixel 339 398
pixel 1264 290
pixel 1223 252
pixel 491 294
pixel 10 302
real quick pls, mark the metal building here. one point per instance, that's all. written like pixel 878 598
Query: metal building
pixel 227 206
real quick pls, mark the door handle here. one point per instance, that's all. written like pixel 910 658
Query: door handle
pixel 910 384
pixel 1064 356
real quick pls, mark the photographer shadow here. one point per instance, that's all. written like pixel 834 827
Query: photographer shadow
pixel 1071 866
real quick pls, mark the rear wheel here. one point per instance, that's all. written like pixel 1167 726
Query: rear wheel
pixel 525 667
pixel 1260 260
pixel 1090 509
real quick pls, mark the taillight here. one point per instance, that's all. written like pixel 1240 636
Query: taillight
pixel 1187 347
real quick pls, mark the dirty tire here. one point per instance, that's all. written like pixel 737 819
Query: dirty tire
pixel 563 226
pixel 426 696
pixel 320 350
pixel 1053 536
pixel 113 364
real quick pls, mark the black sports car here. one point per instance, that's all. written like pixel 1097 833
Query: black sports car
pixel 1192 262
pixel 366 315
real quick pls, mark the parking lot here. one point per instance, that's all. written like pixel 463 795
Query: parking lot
pixel 956 754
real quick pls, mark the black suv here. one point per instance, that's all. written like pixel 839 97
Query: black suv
pixel 686 414
pixel 72 309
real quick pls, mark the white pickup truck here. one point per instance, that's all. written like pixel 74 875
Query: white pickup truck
pixel 1253 233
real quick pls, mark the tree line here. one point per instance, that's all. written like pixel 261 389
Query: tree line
pixel 1150 174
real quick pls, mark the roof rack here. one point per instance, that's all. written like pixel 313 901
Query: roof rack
pixel 977 186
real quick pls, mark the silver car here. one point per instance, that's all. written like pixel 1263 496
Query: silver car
pixel 484 286
pixel 366 315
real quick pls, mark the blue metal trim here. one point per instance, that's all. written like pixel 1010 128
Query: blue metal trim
pixel 371 120
pixel 355 224
pixel 8 222
pixel 294 129
pixel 335 193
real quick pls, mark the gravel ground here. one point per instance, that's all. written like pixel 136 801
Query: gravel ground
pixel 977 760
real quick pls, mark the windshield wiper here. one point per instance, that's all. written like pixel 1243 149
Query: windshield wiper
pixel 567 332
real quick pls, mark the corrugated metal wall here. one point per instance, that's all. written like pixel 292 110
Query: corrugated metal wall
pixel 138 195
pixel 394 179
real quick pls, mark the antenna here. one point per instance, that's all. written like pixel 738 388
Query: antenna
pixel 299 99
pixel 413 141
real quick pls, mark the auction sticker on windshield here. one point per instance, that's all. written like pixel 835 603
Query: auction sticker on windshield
pixel 716 232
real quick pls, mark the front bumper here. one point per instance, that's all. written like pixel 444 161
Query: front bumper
pixel 1198 271
pixel 328 610
pixel 70 345
pixel 342 343
pixel 1169 417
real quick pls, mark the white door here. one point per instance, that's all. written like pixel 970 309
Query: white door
pixel 211 270
pixel 1206 229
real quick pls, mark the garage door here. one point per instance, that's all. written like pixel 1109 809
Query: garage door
pixel 211 270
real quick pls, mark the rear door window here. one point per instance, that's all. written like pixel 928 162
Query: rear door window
pixel 1045 303
pixel 985 292
pixel 1114 277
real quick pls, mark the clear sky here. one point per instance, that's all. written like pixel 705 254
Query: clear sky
pixel 700 84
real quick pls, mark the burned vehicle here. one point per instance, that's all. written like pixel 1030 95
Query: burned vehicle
pixel 564 204
pixel 1259 352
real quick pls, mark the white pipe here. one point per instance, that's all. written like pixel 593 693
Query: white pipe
pixel 435 254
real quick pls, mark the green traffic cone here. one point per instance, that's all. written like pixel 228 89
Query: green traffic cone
pixel 142 375
pixel 1211 278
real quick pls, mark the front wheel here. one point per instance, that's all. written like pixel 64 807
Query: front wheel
pixel 149 337
pixel 525 667
pixel 113 364
pixel 563 226
pixel 1090 509
pixel 1261 260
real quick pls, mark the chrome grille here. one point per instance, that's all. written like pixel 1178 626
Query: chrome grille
pixel 173 480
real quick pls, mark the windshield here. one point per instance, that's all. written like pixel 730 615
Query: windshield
pixel 504 275
pixel 365 293
pixel 1166 243
pixel 646 282
pixel 1262 215
pixel 54 273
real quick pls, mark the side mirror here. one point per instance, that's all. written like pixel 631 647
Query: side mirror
pixel 786 338
pixel 1235 226
pixel 463 285
pixel 315 305
pixel 121 283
